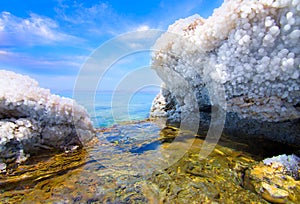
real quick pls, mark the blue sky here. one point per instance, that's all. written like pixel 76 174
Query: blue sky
pixel 49 40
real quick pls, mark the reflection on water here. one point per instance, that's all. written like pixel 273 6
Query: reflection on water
pixel 137 163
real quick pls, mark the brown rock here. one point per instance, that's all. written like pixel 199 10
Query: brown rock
pixel 272 184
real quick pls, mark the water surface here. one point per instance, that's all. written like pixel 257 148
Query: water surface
pixel 138 162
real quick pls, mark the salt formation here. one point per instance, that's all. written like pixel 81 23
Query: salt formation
pixel 158 107
pixel 31 119
pixel 252 49
pixel 289 164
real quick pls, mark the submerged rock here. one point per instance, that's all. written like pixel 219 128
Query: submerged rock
pixel 275 179
pixel 248 51
pixel 32 119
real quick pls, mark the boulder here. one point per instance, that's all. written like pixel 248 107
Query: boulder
pixel 244 59
pixel 32 120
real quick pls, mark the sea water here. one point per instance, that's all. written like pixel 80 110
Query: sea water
pixel 109 108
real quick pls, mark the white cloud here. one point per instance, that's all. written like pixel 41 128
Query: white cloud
pixel 78 14
pixel 5 53
pixel 63 64
pixel 35 30
pixel 98 20
pixel 143 28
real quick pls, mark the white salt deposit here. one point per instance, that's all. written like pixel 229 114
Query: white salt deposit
pixel 158 108
pixel 289 163
pixel 251 47
pixel 32 117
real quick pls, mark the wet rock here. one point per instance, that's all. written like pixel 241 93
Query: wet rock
pixel 272 182
pixel 273 194
pixel 168 134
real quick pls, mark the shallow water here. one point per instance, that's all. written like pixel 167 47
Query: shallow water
pixel 139 162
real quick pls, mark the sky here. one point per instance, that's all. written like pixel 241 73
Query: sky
pixel 51 40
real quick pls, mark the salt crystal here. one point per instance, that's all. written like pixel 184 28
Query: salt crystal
pixel 295 34
pixel 287 27
pixel 274 30
pixel 289 15
pixel 268 39
pixel 268 22
pixel 295 75
pixel 291 21
pixel 295 2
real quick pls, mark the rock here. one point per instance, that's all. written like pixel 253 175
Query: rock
pixel 245 54
pixel 32 119
pixel 168 134
pixel 273 194
pixel 272 180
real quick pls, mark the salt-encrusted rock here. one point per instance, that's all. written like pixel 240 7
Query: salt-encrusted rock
pixel 289 164
pixel 249 48
pixel 32 119
pixel 158 108
pixel 276 179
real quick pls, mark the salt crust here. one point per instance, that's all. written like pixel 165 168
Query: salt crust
pixel 289 163
pixel 32 117
pixel 250 47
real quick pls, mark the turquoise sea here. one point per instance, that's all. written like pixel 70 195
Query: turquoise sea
pixel 106 111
